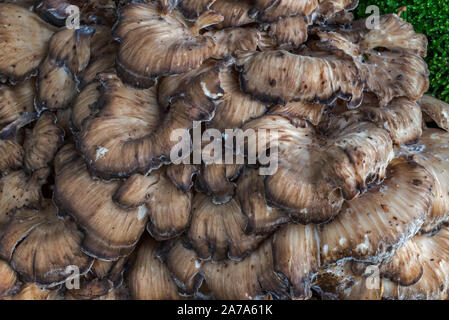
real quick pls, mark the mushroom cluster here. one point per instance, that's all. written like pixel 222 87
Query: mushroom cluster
pixel 96 202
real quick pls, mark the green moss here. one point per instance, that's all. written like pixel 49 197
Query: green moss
pixel 430 17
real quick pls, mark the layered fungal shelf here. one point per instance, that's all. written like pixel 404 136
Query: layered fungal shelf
pixel 88 184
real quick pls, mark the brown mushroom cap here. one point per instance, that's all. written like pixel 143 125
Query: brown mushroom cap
pixel 402 118
pixel 296 257
pixel 192 9
pixel 232 41
pixel 85 104
pixel 103 50
pixel 9 282
pixel 280 77
pixel 17 190
pixel 398 70
pixel 54 11
pixel 216 180
pixel 12 157
pixel 315 174
pixel 167 45
pixel 290 32
pixel 40 245
pixel 34 292
pixel 148 277
pixel 183 264
pixel 110 231
pixel 269 10
pixel 437 110
pixel 24 39
pixel 69 54
pixel 234 12
pixel 15 101
pixel 43 142
pixel 293 111
pixel 252 278
pixel 129 134
pixel 181 175
pixel 217 231
pixel 434 258
pixel 250 193
pixel 405 268
pixel 167 206
pixel 371 228
pixel 435 158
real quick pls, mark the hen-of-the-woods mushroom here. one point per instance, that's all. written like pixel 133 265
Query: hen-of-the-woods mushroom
pixel 436 109
pixel 280 77
pixel 372 227
pixel 110 231
pixel 41 246
pixel 69 54
pixel 130 134
pixel 15 101
pixel 316 173
pixel 168 45
pixel 149 278
pixel 9 281
pixel 24 39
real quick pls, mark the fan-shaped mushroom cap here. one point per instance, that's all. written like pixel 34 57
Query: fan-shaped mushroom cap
pixel 252 278
pixel 434 258
pixel 110 270
pixel 192 9
pixel 14 101
pixel 293 111
pixel 18 190
pixel 371 228
pixel 250 194
pixel 405 268
pixel 397 71
pixel 280 77
pixel 328 8
pixel 393 33
pixel 435 158
pixel 149 278
pixel 129 134
pixel 217 231
pixel 86 104
pixel 315 174
pixel 89 290
pixel 269 10
pixel 296 257
pixel 182 175
pixel 436 109
pixel 69 54
pixel 167 206
pixel 216 180
pixel 110 231
pixel 290 32
pixel 54 11
pixel 236 107
pixel 103 51
pixel 41 246
pixel 33 292
pixel 184 265
pixel 232 41
pixel 154 45
pixel 23 38
pixel 234 12
pixel 9 282
pixel 43 142
pixel 12 155
pixel 402 118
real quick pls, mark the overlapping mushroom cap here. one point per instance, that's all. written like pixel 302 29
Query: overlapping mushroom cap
pixel 358 180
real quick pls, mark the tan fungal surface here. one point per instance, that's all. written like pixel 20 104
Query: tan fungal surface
pixel 372 227
pixel 437 110
pixel 16 100
pixel 24 39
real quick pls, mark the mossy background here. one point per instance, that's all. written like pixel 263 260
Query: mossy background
pixel 430 17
